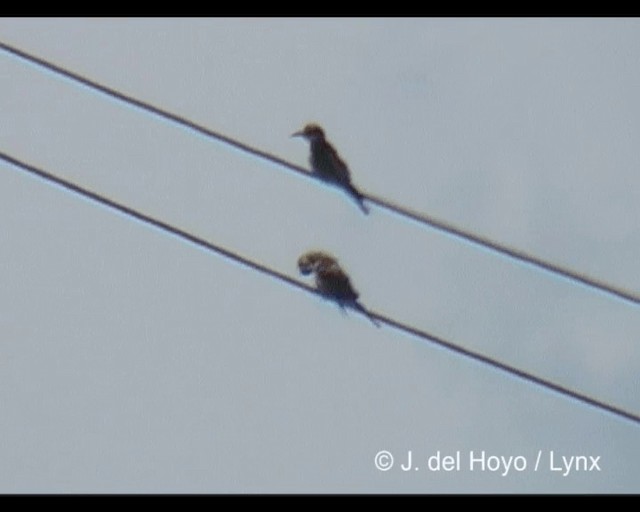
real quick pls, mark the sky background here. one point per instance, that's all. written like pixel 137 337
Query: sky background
pixel 133 361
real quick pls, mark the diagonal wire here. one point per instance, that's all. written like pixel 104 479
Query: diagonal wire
pixel 234 256
pixel 131 212
pixel 516 372
pixel 440 225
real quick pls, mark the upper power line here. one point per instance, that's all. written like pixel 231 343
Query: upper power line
pixel 254 265
pixel 440 225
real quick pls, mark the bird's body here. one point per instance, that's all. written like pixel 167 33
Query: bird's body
pixel 332 281
pixel 327 164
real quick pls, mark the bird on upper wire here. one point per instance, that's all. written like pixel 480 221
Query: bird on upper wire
pixel 332 281
pixel 327 165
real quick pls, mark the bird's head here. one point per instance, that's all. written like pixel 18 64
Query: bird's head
pixel 310 132
pixel 312 260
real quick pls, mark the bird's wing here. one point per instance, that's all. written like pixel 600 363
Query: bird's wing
pixel 342 176
pixel 338 164
pixel 335 283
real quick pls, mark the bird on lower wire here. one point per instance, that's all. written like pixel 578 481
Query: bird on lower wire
pixel 327 165
pixel 332 281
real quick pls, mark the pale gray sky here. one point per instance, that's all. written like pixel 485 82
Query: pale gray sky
pixel 131 361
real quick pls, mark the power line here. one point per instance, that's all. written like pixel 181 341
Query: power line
pixel 505 250
pixel 509 369
pixel 252 264
pixel 131 212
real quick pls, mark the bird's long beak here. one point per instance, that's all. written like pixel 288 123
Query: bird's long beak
pixel 297 134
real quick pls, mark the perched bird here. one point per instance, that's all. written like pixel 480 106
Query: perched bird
pixel 332 281
pixel 327 164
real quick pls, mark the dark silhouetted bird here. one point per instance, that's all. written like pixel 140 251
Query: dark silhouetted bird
pixel 327 164
pixel 332 281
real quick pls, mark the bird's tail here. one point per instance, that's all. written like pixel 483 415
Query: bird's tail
pixel 366 313
pixel 357 195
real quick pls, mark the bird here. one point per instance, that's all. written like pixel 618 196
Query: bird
pixel 327 165
pixel 332 281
